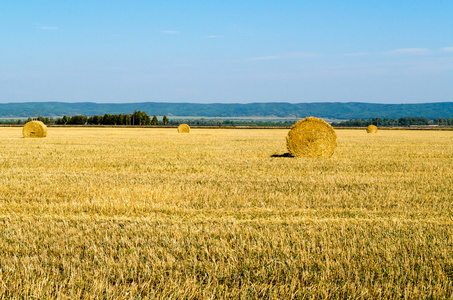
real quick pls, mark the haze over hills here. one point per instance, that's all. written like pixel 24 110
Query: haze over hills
pixel 331 110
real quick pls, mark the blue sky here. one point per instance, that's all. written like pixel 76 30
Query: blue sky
pixel 226 51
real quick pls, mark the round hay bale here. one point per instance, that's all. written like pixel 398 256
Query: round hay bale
pixel 34 129
pixel 311 137
pixel 183 128
pixel 371 129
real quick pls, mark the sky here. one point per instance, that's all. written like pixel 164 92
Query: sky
pixel 233 51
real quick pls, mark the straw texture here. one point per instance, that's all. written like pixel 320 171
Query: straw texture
pixel 311 137
pixel 183 128
pixel 34 129
pixel 371 129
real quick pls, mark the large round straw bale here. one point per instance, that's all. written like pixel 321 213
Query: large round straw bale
pixel 311 137
pixel 371 129
pixel 183 128
pixel 34 129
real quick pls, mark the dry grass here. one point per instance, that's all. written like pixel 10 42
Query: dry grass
pixel 143 213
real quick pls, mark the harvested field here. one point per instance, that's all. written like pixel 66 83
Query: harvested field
pixel 143 213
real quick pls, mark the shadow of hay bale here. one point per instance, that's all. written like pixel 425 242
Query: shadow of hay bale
pixel 282 155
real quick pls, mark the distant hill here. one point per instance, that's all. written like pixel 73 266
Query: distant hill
pixel 331 110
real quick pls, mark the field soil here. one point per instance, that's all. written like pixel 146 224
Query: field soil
pixel 221 213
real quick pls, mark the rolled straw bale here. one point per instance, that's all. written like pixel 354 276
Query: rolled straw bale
pixel 34 129
pixel 371 129
pixel 311 137
pixel 183 128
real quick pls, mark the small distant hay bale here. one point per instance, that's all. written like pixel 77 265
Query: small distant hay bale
pixel 371 129
pixel 183 128
pixel 311 137
pixel 34 129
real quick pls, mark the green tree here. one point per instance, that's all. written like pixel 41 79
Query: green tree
pixel 95 120
pixel 108 119
pixel 140 118
pixel 154 121
pixel 78 120
pixel 45 120
pixel 62 121
pixel 165 120
pixel 126 119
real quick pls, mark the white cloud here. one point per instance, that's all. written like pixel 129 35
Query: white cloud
pixel 213 36
pixel 408 51
pixel 447 49
pixel 292 55
pixel 169 31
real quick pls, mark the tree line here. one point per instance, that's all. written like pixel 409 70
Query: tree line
pixel 142 118
pixel 136 118
pixel 400 122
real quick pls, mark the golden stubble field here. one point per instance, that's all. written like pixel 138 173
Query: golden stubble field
pixel 150 213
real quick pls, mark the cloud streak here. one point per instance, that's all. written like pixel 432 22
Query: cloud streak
pixel 408 51
pixel 447 49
